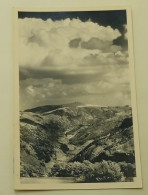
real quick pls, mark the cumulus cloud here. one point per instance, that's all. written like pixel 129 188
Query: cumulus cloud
pixel 125 32
pixel 70 60
pixel 123 39
pixel 41 40
pixel 36 92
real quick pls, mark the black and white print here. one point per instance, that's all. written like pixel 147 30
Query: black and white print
pixel 75 108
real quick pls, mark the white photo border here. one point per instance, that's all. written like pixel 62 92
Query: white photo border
pixel 49 184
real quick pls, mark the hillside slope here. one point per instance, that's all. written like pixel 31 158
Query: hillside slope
pixel 74 139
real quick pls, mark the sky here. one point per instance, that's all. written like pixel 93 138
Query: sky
pixel 69 57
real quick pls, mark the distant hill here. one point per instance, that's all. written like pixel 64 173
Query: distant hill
pixel 63 135
pixel 42 109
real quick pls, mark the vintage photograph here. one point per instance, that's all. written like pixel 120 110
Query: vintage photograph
pixel 77 121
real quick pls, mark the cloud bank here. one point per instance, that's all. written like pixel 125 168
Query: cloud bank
pixel 70 60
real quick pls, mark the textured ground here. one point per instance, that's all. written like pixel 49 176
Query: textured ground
pixel 74 139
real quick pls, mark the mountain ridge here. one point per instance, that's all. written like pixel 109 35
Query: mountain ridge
pixel 52 106
pixel 75 133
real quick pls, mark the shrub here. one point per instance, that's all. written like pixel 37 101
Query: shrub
pixel 108 171
pixel 105 171
pixel 128 169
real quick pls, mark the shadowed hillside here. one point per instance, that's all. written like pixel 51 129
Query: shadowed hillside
pixel 89 143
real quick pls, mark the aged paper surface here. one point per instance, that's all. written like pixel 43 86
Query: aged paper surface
pixel 75 100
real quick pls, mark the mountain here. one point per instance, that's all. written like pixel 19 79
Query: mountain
pixel 72 140
pixel 42 109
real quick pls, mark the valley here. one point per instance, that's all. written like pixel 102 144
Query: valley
pixel 89 143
